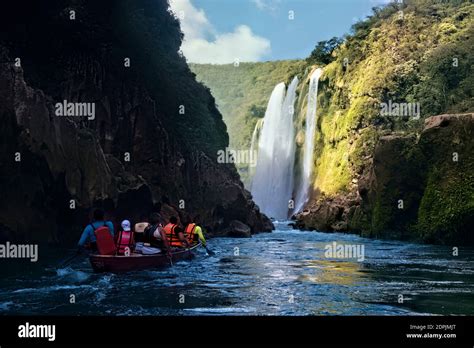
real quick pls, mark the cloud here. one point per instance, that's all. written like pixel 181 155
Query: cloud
pixel 204 44
pixel 266 5
pixel 380 2
pixel 241 44
pixel 194 22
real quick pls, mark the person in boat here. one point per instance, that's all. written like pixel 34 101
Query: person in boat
pixel 193 232
pixel 155 235
pixel 125 242
pixel 139 229
pixel 88 237
pixel 175 234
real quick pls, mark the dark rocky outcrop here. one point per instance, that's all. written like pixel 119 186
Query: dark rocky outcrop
pixel 416 187
pixel 237 229
pixel 327 214
pixel 138 154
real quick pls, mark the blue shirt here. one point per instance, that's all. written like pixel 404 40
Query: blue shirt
pixel 88 235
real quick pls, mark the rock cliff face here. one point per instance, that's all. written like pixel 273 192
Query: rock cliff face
pixel 151 145
pixel 418 188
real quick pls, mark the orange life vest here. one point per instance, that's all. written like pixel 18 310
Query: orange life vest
pixel 173 239
pixel 189 233
pixel 104 240
pixel 124 241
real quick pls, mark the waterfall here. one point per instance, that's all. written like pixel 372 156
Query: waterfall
pixel 303 192
pixel 290 144
pixel 255 135
pixel 272 183
pixel 254 147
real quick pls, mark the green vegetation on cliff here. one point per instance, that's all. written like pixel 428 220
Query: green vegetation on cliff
pixel 446 211
pixel 419 52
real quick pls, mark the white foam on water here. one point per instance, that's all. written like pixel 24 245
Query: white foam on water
pixel 52 288
pixel 221 310
pixel 442 282
pixel 6 305
pixel 72 274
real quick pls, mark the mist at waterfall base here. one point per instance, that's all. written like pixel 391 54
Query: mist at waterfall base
pixel 273 183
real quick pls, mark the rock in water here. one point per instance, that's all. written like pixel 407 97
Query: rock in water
pixel 237 229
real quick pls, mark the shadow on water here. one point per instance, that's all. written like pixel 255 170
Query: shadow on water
pixel 280 273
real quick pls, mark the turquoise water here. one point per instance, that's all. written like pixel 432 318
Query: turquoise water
pixel 281 273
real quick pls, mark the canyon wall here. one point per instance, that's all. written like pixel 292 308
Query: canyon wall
pixel 152 145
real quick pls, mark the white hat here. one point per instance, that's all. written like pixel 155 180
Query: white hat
pixel 126 225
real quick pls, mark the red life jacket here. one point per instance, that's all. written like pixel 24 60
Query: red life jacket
pixel 173 239
pixel 189 233
pixel 124 241
pixel 104 240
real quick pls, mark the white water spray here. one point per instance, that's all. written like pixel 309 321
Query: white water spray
pixel 272 183
pixel 254 145
pixel 303 192
pixel 256 135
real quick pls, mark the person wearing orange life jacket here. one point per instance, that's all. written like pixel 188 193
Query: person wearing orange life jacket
pixel 175 234
pixel 125 240
pixel 193 232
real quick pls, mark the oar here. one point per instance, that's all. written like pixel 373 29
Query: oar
pixel 68 260
pixel 209 251
pixel 170 258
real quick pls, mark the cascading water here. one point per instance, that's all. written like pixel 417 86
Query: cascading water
pixel 256 135
pixel 302 193
pixel 254 146
pixel 272 183
pixel 290 143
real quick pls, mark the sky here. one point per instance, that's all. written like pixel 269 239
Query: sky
pixel 223 31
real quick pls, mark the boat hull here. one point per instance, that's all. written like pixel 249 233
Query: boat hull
pixel 136 262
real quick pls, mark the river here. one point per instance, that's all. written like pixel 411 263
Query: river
pixel 281 273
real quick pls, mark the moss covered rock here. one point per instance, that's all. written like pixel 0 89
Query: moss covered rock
pixel 422 188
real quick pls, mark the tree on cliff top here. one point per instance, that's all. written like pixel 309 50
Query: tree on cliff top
pixel 323 52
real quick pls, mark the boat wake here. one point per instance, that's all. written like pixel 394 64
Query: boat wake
pixel 72 275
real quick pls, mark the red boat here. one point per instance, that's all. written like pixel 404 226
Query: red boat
pixel 136 262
